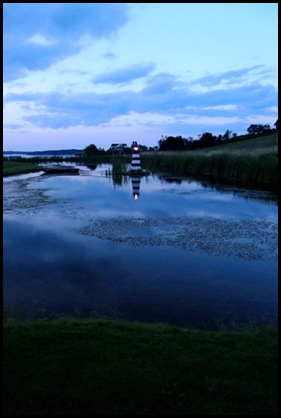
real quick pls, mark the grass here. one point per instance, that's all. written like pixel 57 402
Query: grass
pixel 250 162
pixel 121 167
pixel 113 367
pixel 13 167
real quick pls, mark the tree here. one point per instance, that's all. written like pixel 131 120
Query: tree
pixel 252 129
pixel 226 135
pixel 207 139
pixel 258 129
pixel 172 144
pixel 93 150
pixel 266 127
pixel 161 141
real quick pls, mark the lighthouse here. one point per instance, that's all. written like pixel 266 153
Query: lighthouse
pixel 135 170
pixel 135 157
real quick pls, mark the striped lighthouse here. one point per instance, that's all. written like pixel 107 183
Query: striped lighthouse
pixel 136 186
pixel 135 157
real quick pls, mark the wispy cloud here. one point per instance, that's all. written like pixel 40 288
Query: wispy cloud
pixel 231 77
pixel 125 75
pixel 163 92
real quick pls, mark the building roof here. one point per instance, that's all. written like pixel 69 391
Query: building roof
pixel 118 145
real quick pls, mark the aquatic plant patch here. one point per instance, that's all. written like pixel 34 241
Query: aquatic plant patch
pixel 250 240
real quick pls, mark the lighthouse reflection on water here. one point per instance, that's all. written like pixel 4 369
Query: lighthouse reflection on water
pixel 136 187
pixel 135 167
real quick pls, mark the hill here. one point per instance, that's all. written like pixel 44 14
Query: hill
pixel 261 144
pixel 62 152
pixel 251 162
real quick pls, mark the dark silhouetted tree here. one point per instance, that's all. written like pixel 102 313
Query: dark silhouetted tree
pixel 207 139
pixel 93 150
pixel 226 135
pixel 172 143
pixel 258 129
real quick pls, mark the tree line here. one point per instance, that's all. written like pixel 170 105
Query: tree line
pixel 178 143
pixel 207 139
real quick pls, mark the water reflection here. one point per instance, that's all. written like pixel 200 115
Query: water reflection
pixel 91 166
pixel 202 253
pixel 169 179
pixel 121 180
pixel 136 186
pixel 118 179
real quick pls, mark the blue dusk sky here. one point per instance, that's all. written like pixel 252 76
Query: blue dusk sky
pixel 77 74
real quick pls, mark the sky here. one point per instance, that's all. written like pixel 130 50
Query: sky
pixel 76 74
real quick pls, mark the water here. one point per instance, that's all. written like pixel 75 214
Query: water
pixel 152 249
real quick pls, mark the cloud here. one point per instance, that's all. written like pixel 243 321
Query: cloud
pixel 38 34
pixel 161 83
pixel 117 67
pixel 231 79
pixel 125 75
pixel 163 92
pixel 39 39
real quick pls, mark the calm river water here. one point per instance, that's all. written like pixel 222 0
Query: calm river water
pixel 179 251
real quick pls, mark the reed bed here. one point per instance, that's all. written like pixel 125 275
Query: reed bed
pixel 254 169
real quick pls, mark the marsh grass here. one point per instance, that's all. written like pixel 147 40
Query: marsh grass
pixel 118 166
pixel 118 171
pixel 121 171
pixel 259 169
pixel 16 167
pixel 251 162
pixel 115 367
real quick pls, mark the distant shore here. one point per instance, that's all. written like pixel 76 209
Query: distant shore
pixel 247 163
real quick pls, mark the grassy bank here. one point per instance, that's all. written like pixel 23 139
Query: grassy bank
pixel 110 367
pixel 251 162
pixel 13 167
